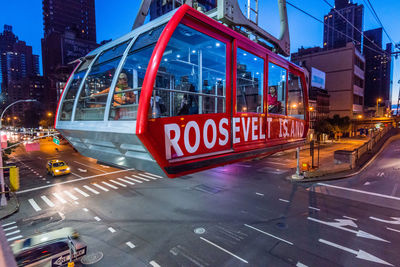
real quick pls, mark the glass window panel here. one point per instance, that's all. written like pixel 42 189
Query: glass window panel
pixel 249 83
pixel 93 96
pixel 295 97
pixel 191 73
pixel 276 89
pixel 148 38
pixel 69 99
pixel 111 53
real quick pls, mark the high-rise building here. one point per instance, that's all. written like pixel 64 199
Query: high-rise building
pixel 378 68
pixel 160 7
pixel 339 31
pixel 69 33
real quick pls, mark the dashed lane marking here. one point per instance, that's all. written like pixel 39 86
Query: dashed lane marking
pixel 347 217
pixel 71 195
pixel 125 181
pixel 115 182
pixel 85 209
pixel 97 218
pixel 112 230
pixel 154 264
pixel 48 201
pixel 102 188
pixel 12 233
pixel 313 208
pixel 284 200
pixel 268 234
pixel 81 192
pixel 135 180
pixel 110 185
pixel 394 230
pixel 259 194
pixel 91 189
pixel 89 166
pixel 15 238
pixel 230 253
pixel 129 244
pixel 34 205
pixel 59 198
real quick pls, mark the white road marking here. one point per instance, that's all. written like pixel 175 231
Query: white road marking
pixel 125 181
pixel 359 191
pixel 147 176
pixel 110 185
pixel 48 201
pixel 347 217
pixel 141 178
pixel 284 200
pixel 76 202
pixel 135 180
pixel 11 233
pixel 154 264
pixel 97 218
pixel 313 208
pixel 112 230
pixel 15 238
pixel 268 234
pixel 299 264
pixel 115 182
pixel 85 209
pixel 71 181
pixel 7 224
pixel 155 175
pixel 34 205
pixel 71 195
pixel 394 230
pixel 230 253
pixel 10 228
pixel 396 220
pixel 81 192
pixel 102 188
pixel 129 244
pixel 259 194
pixel 91 189
pixel 89 166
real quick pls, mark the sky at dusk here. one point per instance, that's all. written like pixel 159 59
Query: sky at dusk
pixel 115 18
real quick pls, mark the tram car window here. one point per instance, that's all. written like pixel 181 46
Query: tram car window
pixel 250 82
pixel 276 100
pixel 295 97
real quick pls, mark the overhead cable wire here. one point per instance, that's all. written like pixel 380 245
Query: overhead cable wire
pixel 317 19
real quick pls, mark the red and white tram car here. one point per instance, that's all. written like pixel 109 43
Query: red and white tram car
pixel 181 94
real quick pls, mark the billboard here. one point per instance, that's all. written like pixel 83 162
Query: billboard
pixel 318 78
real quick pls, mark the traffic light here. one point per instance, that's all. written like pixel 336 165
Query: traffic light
pixel 14 178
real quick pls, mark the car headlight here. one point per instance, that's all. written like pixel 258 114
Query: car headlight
pixel 57 170
pixel 68 169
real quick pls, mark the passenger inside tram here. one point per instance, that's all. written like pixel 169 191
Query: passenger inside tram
pixel 274 106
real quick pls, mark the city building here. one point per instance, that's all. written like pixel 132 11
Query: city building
pixel 339 22
pixel 378 70
pixel 344 68
pixel 160 7
pixel 67 37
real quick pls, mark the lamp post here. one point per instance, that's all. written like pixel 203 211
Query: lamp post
pixel 377 107
pixel 3 200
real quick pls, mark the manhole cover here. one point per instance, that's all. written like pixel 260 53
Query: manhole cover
pixel 92 258
pixel 199 231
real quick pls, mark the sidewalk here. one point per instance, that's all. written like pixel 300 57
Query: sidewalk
pixel 11 207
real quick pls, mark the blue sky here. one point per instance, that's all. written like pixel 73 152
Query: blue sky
pixel 115 18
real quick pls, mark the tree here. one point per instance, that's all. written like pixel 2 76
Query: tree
pixel 8 151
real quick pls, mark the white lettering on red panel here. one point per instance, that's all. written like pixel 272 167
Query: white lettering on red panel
pixel 250 128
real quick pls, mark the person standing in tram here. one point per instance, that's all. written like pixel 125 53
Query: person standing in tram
pixel 274 106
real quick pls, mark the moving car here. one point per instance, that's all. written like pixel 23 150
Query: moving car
pixel 57 167
pixel 53 248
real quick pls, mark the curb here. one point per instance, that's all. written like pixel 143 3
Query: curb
pixel 351 172
pixel 15 210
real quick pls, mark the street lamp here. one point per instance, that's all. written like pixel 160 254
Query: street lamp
pixel 3 200
pixel 377 103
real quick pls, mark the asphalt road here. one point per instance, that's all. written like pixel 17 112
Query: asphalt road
pixel 244 214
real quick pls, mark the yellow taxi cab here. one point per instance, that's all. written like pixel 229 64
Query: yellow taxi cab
pixel 57 167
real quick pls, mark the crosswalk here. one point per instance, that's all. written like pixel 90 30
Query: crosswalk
pixel 11 231
pixel 73 194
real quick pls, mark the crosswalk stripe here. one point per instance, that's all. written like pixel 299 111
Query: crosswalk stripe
pixel 81 192
pixel 144 179
pixel 71 195
pixel 102 188
pixel 59 198
pixel 48 201
pixel 155 175
pixel 117 183
pixel 7 224
pixel 147 176
pixel 14 238
pixel 10 228
pixel 11 233
pixel 110 185
pixel 137 181
pixel 34 205
pixel 91 189
pixel 125 181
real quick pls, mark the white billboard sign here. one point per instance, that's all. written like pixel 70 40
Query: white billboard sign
pixel 317 78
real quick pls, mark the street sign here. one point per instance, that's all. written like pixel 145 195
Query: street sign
pixel 63 259
pixel 56 140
